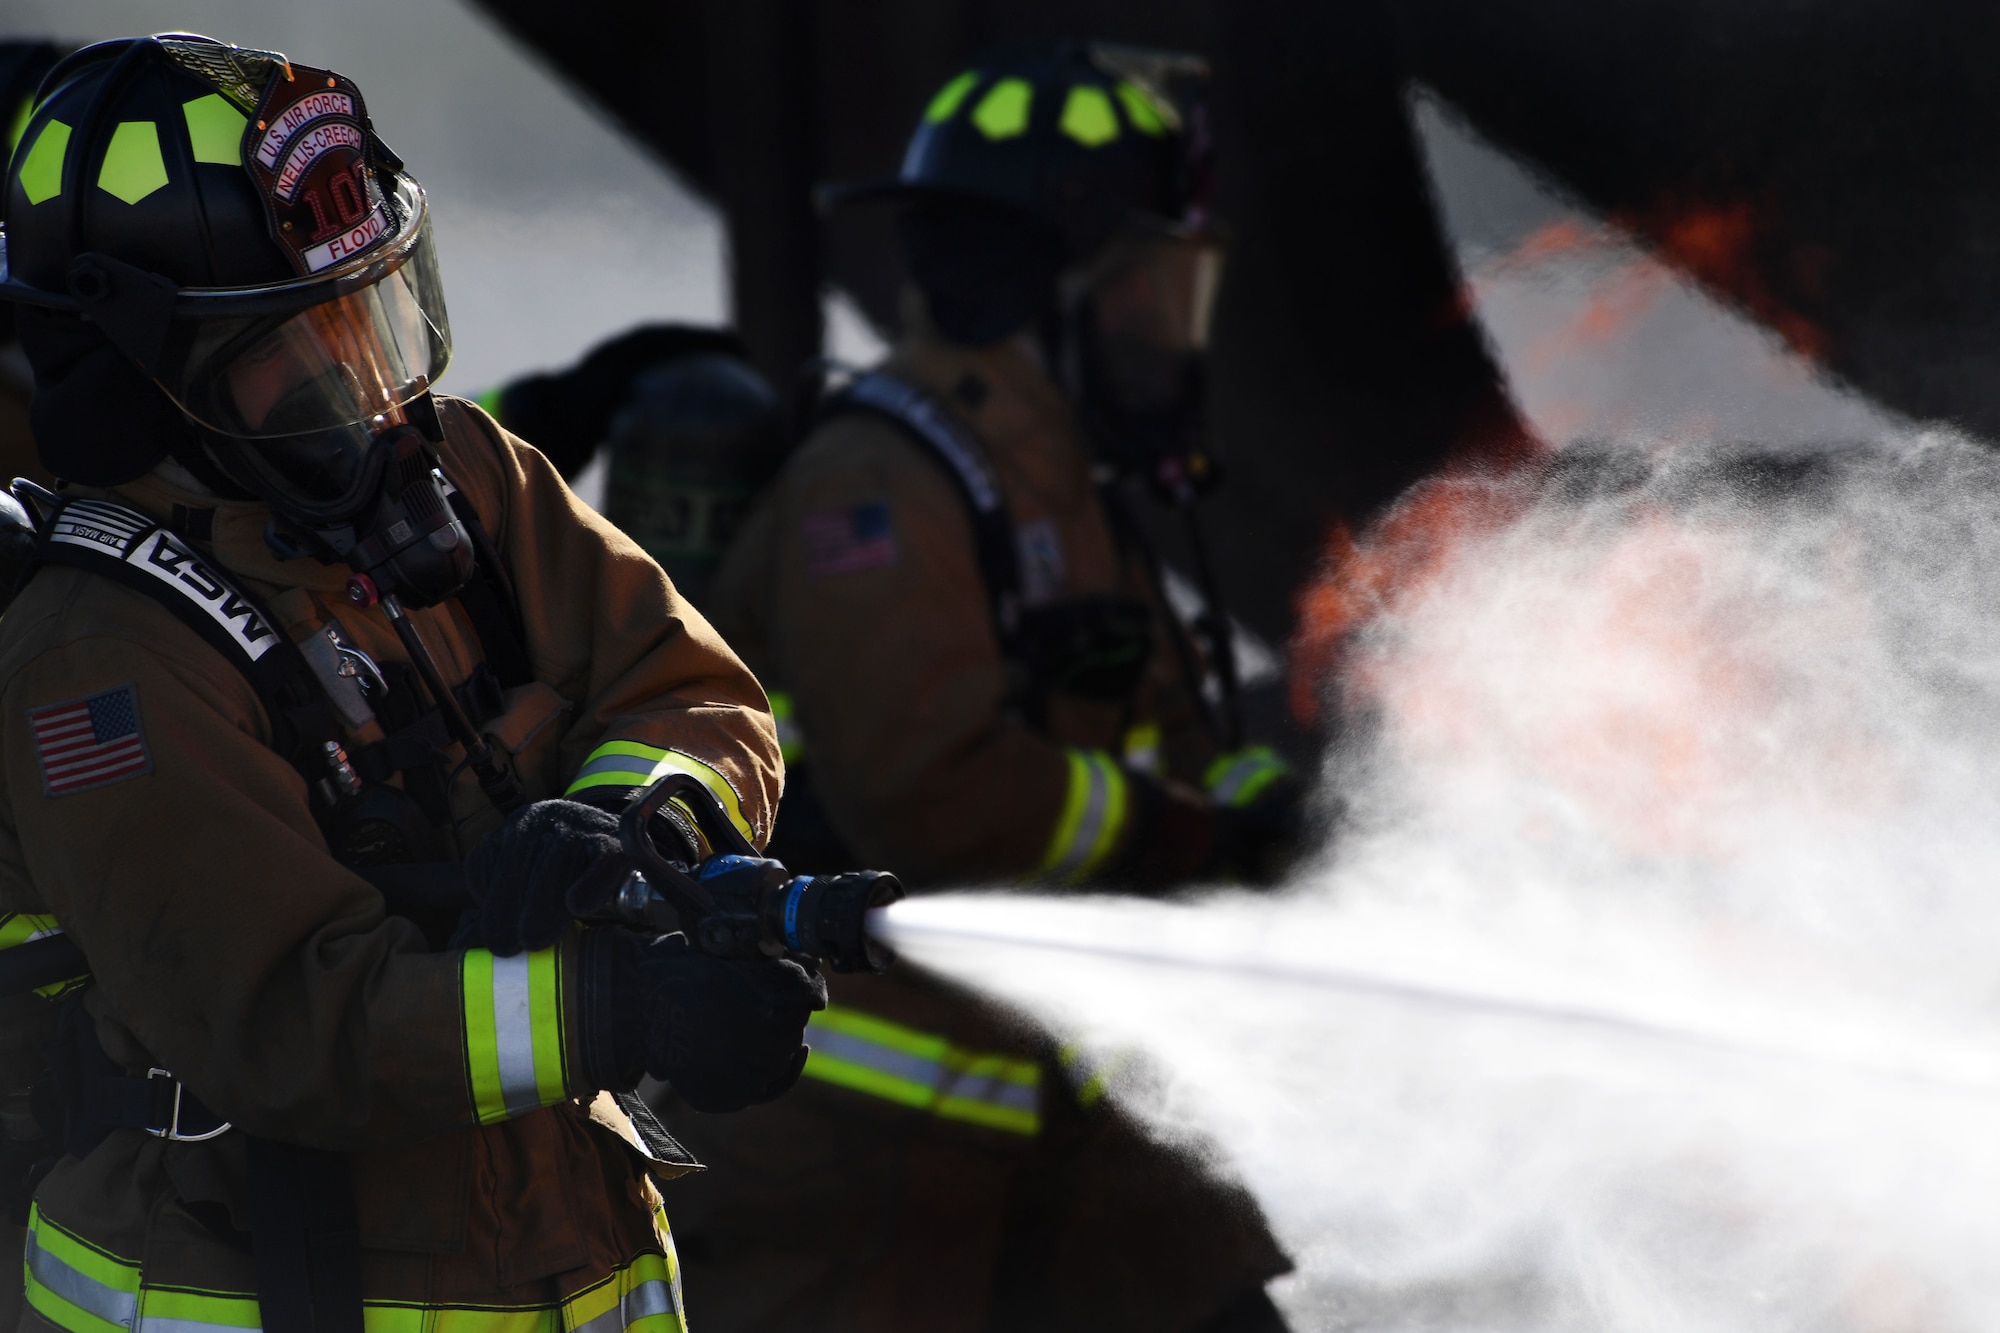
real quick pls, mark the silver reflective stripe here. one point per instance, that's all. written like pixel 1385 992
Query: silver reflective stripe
pixel 996 1092
pixel 618 763
pixel 1090 824
pixel 933 1074
pixel 514 1035
pixel 1233 779
pixel 86 1293
pixel 885 1059
pixel 1238 773
pixel 648 1298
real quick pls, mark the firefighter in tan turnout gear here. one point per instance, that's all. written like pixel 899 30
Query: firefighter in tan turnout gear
pixel 300 628
pixel 977 678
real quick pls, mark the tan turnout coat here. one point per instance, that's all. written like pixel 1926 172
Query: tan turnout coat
pixel 228 946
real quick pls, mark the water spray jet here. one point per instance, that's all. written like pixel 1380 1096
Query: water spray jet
pixel 1100 930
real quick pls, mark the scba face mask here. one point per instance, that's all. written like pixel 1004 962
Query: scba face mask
pixel 1140 318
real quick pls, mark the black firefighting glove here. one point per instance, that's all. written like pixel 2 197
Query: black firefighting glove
pixel 725 1033
pixel 1246 832
pixel 1170 842
pixel 521 874
pixel 1257 842
pixel 1259 815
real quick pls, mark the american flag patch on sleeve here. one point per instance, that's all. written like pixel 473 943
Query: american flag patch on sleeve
pixel 90 742
pixel 848 540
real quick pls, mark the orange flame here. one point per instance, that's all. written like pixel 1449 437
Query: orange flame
pixel 1672 719
pixel 1361 579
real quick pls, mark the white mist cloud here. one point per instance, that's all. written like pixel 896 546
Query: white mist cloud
pixel 1652 982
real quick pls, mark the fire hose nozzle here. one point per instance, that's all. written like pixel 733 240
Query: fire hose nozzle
pixel 741 905
pixel 828 916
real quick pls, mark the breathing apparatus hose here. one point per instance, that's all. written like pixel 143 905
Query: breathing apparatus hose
pixel 495 779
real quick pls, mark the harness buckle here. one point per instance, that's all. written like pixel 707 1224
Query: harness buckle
pixel 173 1128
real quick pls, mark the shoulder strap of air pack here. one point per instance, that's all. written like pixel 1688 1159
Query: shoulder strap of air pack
pixel 964 459
pixel 133 548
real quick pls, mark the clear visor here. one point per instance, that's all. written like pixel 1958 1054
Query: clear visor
pixel 344 361
pixel 1150 301
pixel 1157 290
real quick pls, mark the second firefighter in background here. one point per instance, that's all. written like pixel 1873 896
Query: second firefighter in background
pixel 977 678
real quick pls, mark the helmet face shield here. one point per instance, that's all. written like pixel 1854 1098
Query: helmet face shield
pixel 1157 288
pixel 305 389
pixel 353 357
pixel 1151 298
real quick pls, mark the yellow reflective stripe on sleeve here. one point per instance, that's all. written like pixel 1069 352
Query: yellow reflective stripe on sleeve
pixel 1237 779
pixel 1093 815
pixel 1091 1072
pixel 79 1287
pixel 791 740
pixel 513 1032
pixel 923 1071
pixel 631 764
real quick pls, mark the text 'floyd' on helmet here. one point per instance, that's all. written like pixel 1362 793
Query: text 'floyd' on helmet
pixel 1084 139
pixel 229 221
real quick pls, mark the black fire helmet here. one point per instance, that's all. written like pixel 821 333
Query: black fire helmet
pixel 1061 134
pixel 1028 163
pixel 173 201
